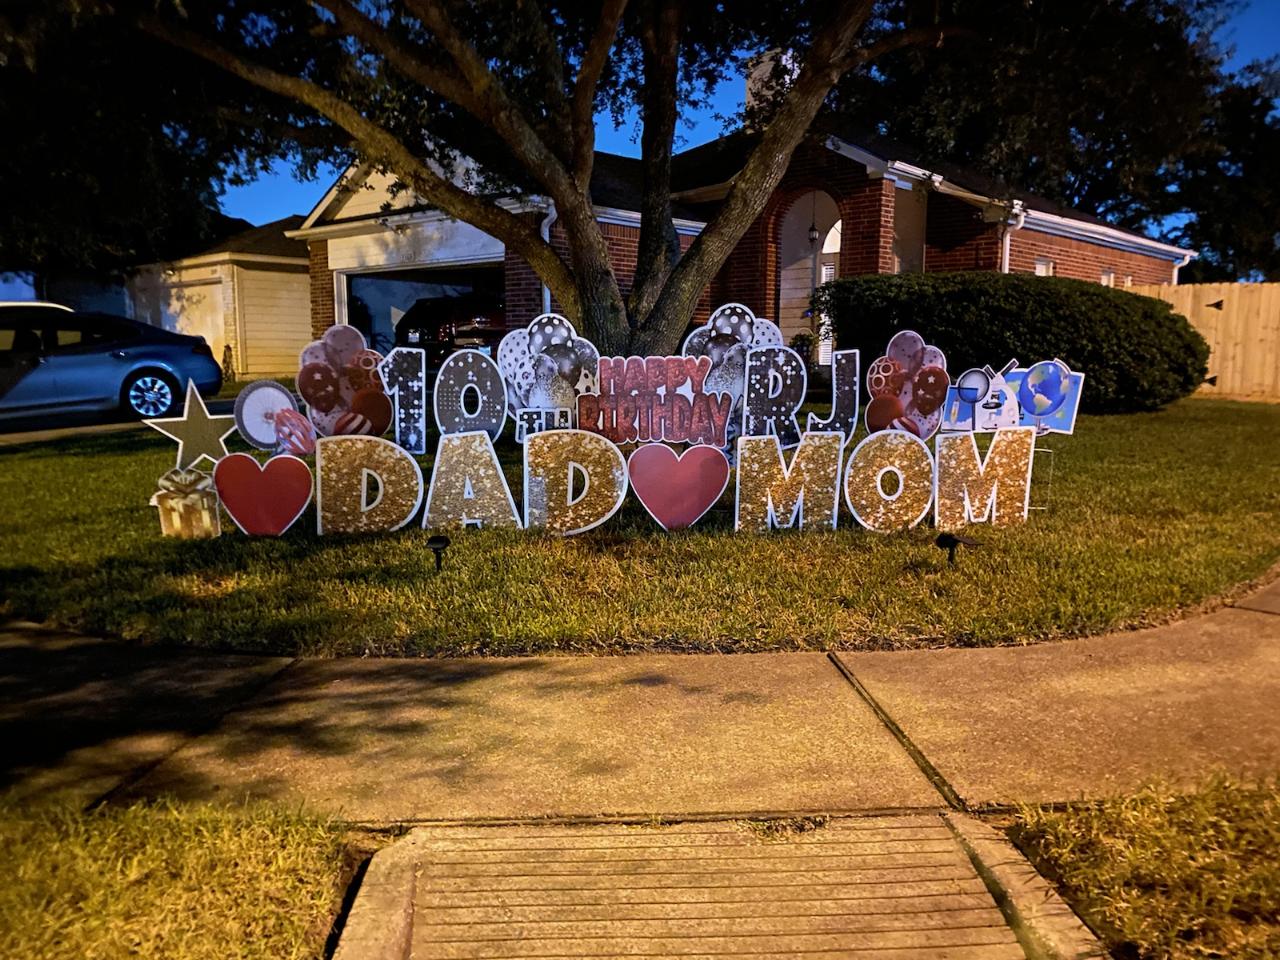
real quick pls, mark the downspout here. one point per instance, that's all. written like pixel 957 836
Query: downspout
pixel 1019 218
pixel 545 230
pixel 1186 258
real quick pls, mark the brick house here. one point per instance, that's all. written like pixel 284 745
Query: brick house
pixel 848 205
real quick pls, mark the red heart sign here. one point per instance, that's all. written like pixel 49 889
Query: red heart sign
pixel 263 499
pixel 678 490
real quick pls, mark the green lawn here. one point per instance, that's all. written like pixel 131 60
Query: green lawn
pixel 1149 515
pixel 1167 876
pixel 167 882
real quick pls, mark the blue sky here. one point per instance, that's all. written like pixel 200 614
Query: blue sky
pixel 1254 32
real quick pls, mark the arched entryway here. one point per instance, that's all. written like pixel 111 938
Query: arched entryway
pixel 808 255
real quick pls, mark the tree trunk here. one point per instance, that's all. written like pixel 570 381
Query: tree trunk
pixel 661 334
pixel 604 322
pixel 602 312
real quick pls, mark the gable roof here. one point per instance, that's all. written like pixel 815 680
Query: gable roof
pixel 701 175
pixel 268 240
pixel 615 184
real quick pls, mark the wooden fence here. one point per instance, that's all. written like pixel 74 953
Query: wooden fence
pixel 1241 321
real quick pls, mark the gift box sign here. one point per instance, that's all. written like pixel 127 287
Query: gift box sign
pixel 188 505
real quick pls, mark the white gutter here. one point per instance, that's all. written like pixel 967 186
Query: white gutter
pixel 905 174
pixel 1180 264
pixel 35 303
pixel 632 218
pixel 1057 226
pixel 213 259
pixel 1019 218
pixel 545 230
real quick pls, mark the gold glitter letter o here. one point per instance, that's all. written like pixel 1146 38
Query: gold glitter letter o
pixel 889 451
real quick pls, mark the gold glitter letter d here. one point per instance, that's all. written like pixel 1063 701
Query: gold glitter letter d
pixel 573 480
pixel 364 485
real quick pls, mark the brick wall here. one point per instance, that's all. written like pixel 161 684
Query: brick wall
pixel 866 234
pixel 322 315
pixel 1084 261
pixel 751 275
pixel 955 238
pixel 524 289
pixel 523 296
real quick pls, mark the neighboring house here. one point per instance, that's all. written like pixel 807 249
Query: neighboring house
pixel 247 296
pixel 850 205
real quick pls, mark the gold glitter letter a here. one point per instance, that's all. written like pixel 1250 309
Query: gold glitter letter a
pixel 467 486
pixel 973 491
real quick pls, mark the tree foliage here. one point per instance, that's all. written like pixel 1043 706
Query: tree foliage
pixel 469 104
pixel 116 147
pixel 1123 108
pixel 133 113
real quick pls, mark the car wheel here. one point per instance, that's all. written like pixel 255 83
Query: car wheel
pixel 149 395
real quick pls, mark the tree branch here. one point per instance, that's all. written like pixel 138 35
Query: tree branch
pixel 659 246
pixel 588 252
pixel 913 37
pixel 317 137
pixel 401 56
pixel 380 146
pixel 502 114
pixel 557 103
pixel 582 112
pixel 760 175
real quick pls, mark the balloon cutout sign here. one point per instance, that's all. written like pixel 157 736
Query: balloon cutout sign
pixel 673 430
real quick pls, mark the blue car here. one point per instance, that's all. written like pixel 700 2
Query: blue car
pixel 53 359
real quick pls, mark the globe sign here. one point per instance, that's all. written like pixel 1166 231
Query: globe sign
pixel 1044 389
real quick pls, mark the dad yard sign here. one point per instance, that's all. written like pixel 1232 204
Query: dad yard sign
pixel 672 429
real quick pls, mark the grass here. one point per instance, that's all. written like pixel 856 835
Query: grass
pixel 1149 515
pixel 1167 876
pixel 167 882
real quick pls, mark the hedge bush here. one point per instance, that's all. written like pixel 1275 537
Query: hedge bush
pixel 1135 352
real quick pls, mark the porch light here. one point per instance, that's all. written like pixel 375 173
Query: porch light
pixel 813 234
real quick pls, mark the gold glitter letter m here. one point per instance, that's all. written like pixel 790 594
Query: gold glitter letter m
pixel 772 494
pixel 970 490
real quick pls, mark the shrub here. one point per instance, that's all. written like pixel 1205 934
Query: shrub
pixel 1135 352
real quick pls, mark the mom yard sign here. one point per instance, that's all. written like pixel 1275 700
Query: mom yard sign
pixel 672 430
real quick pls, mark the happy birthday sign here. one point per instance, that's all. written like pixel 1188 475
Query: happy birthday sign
pixel 731 399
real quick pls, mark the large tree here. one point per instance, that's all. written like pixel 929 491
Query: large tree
pixel 469 104
pixel 1123 108
pixel 1227 200
pixel 115 147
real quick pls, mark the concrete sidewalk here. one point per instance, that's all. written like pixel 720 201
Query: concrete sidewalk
pixel 671 736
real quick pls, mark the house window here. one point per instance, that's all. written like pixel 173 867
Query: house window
pixel 1128 281
pixel 1108 278
pixel 1044 267
pixel 828 272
